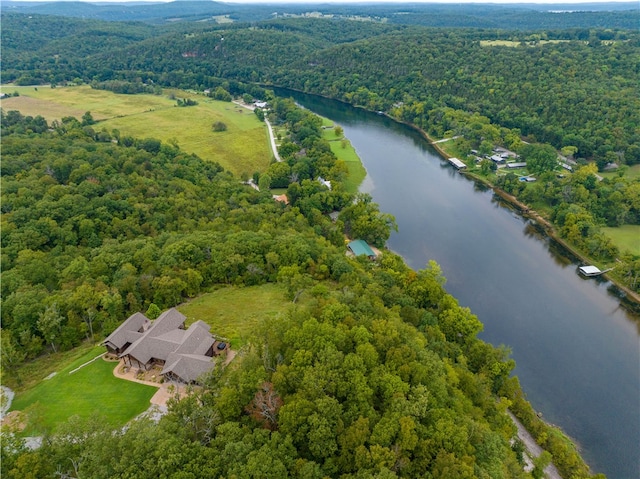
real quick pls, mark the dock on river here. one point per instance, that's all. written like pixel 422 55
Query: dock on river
pixel 457 163
pixel 592 271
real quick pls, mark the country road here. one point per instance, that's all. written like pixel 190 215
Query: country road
pixel 532 447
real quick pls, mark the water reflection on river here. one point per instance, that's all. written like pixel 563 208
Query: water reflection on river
pixel 577 350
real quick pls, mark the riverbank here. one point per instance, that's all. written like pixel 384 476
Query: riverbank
pixel 516 279
pixel 531 214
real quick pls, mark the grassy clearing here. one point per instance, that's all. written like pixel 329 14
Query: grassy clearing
pixel 455 147
pixel 54 103
pixel 344 150
pixel 626 237
pixel 511 43
pixel 243 147
pixel 630 172
pixel 235 313
pixel 91 390
pixel 32 372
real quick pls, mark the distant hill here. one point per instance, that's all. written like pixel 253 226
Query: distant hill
pixel 507 16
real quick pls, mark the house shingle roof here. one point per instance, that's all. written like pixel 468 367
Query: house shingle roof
pixel 184 352
pixel 188 367
pixel 127 332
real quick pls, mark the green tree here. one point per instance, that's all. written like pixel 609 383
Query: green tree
pixel 153 311
pixel 87 119
pixel 264 183
pixel 49 324
pixel 363 220
pixel 11 354
pixel 540 158
pixel 219 126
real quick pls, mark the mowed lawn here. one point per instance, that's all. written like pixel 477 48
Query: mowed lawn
pixel 344 150
pixel 626 237
pixel 235 313
pixel 91 390
pixel 242 148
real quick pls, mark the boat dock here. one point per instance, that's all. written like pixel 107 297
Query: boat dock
pixel 592 271
pixel 457 163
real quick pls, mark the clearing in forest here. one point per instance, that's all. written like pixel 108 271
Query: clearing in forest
pixel 625 237
pixel 242 147
pixel 344 150
pixel 235 312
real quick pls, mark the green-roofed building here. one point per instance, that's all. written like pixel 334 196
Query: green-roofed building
pixel 360 247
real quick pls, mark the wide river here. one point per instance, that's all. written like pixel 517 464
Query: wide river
pixel 577 350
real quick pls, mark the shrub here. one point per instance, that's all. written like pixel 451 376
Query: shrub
pixel 219 126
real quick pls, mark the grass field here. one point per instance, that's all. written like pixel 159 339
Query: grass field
pixel 32 372
pixel 631 172
pixel 243 147
pixel 511 43
pixel 342 148
pixel 626 237
pixel 92 389
pixel 234 313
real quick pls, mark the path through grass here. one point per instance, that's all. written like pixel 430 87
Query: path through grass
pixel 93 389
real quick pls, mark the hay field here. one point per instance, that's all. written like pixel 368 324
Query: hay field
pixel 243 147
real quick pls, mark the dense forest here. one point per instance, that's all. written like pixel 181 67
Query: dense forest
pixel 93 231
pixel 574 89
pixel 376 373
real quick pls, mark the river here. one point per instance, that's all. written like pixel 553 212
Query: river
pixel 577 350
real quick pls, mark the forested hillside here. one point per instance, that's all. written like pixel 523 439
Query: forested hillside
pixel 532 82
pixel 488 15
pixel 94 231
pixel 374 371
pixel 379 371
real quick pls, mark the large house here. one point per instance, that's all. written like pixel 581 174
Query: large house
pixel 183 354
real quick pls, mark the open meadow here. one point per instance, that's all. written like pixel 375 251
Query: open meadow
pixel 235 313
pixel 625 237
pixel 242 148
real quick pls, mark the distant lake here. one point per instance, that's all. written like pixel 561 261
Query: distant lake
pixel 577 350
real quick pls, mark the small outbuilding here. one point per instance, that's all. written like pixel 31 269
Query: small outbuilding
pixel 361 248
